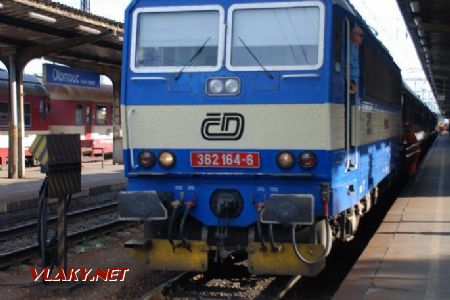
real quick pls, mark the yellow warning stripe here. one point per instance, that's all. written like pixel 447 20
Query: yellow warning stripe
pixel 37 141
pixel 39 149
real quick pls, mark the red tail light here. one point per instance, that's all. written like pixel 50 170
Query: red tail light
pixel 147 159
pixel 308 160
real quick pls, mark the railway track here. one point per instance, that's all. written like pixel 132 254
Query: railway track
pixel 19 242
pixel 21 228
pixel 235 283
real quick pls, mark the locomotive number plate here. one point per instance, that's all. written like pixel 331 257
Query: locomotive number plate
pixel 225 160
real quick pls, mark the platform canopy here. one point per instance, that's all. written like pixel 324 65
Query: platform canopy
pixel 32 29
pixel 428 22
pixel 42 28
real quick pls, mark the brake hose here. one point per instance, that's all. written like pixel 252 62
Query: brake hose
pixel 325 252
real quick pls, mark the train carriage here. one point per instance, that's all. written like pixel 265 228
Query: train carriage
pixel 59 109
pixel 36 103
pixel 244 136
pixel 83 110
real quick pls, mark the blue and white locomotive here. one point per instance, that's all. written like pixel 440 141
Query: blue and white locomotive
pixel 244 135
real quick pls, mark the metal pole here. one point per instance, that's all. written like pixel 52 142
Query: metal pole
pixel 21 123
pixel 13 142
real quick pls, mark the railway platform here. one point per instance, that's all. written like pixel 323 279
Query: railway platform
pixel 409 255
pixel 21 194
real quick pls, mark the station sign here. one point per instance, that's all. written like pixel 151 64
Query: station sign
pixel 70 76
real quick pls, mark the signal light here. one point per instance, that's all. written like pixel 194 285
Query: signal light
pixel 167 159
pixel 147 159
pixel 285 160
pixel 307 160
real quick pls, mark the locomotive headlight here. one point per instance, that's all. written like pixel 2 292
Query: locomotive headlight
pixel 285 160
pixel 215 86
pixel 223 86
pixel 167 159
pixel 147 159
pixel 232 86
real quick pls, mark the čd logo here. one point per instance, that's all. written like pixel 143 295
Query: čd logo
pixel 223 126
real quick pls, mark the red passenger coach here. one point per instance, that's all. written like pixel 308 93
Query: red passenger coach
pixel 83 110
pixel 36 105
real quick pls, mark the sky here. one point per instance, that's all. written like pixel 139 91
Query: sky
pixel 111 9
pixel 382 15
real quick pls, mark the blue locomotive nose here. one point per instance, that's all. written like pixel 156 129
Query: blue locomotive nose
pixel 226 203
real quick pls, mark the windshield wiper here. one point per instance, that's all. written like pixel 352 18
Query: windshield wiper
pixel 191 60
pixel 256 59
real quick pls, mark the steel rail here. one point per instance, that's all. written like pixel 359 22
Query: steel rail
pixel 19 255
pixel 31 225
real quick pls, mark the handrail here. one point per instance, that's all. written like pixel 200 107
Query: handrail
pixel 130 145
pixel 413 153
pixel 348 103
pixel 412 146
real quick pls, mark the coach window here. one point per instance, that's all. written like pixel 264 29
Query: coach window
pixel 101 115
pixel 3 114
pixel 171 39
pixel 79 114
pixel 278 36
pixel 42 110
pixel 27 115
pixel 88 114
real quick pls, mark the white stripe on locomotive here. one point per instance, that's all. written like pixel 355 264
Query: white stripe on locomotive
pixel 284 126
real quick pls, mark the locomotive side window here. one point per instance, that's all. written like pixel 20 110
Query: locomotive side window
pixel 79 114
pixel 166 41
pixel 279 36
pixel 381 83
pixel 101 115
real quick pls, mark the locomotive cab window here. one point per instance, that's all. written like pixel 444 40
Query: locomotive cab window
pixel 171 39
pixel 278 36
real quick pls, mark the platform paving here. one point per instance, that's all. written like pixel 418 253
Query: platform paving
pixel 17 194
pixel 409 256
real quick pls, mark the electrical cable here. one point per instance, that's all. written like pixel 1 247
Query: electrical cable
pixel 171 224
pixel 184 242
